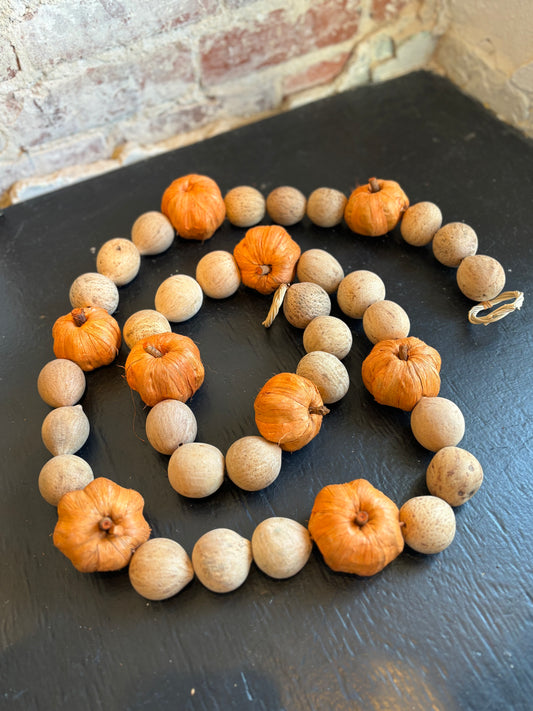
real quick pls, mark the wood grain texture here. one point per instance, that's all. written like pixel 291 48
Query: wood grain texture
pixel 446 632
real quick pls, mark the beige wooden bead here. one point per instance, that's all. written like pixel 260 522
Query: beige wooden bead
pixel 218 274
pixel 358 290
pixel 65 430
pixel 420 222
pixel 179 298
pixel 144 323
pixel 454 475
pixel 428 524
pixel 329 334
pixel 61 474
pixel 325 207
pixel 253 463
pixel 152 233
pixel 453 242
pixel 196 469
pixel 320 267
pixel 221 559
pixel 169 424
pixel 61 382
pixel 305 301
pixel 286 205
pixel 160 568
pixel 118 259
pixel 281 547
pixel 94 289
pixel 480 277
pixel 327 372
pixel 245 206
pixel 385 319
pixel 437 422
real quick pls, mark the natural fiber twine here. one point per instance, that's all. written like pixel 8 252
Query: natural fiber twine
pixel 517 301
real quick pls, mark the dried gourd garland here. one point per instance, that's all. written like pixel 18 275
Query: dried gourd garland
pixel 355 526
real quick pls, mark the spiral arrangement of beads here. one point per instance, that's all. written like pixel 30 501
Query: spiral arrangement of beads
pixel 280 547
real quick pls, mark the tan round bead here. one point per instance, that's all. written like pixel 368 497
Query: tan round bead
pixel 196 469
pixel 221 559
pixel 118 259
pixel 327 372
pixel 429 524
pixel 169 424
pixel 329 334
pixel 179 298
pixel 245 206
pixel 94 289
pixel 61 382
pixel 144 323
pixel 437 422
pixel 453 242
pixel 65 430
pixel 160 568
pixel 358 290
pixel 281 547
pixel 325 207
pixel 454 475
pixel 420 222
pixel 152 233
pixel 320 267
pixel 218 274
pixel 480 277
pixel 385 319
pixel 286 205
pixel 305 301
pixel 253 463
pixel 61 474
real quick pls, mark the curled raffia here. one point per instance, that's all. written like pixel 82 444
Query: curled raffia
pixel 500 312
pixel 277 301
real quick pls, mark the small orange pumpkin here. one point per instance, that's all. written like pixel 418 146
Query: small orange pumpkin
pixel 289 411
pixel 88 336
pixel 165 366
pixel 376 208
pixel 99 527
pixel 356 527
pixel 267 257
pixel 194 205
pixel 399 371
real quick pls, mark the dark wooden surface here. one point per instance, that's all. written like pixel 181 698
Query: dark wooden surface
pixel 450 631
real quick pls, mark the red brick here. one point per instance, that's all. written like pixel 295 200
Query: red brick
pixel 66 32
pixel 386 9
pixel 316 74
pixel 241 50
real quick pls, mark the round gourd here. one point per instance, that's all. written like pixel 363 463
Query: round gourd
pixel 428 524
pixel 327 372
pixel 358 290
pixel 281 547
pixel 179 298
pixel 196 470
pixel 329 334
pixel 325 207
pixel 63 473
pixel 61 382
pixel 218 274
pixel 453 242
pixel 480 277
pixel 437 422
pixel 245 206
pixel 286 205
pixel 454 475
pixel 65 430
pixel 221 559
pixel 253 463
pixel 94 289
pixel 159 569
pixel 385 320
pixel 305 301
pixel 169 424
pixel 320 267
pixel 152 233
pixel 142 324
pixel 119 260
pixel 420 222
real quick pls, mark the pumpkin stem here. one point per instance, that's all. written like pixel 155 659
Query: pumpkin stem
pixel 263 269
pixel 322 410
pixel 361 517
pixel 79 317
pixel 403 351
pixel 106 523
pixel 374 185
pixel 153 351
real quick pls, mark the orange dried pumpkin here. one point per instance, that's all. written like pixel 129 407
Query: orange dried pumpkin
pixel 194 205
pixel 289 411
pixel 375 208
pixel 356 527
pixel 267 257
pixel 99 527
pixel 165 366
pixel 399 371
pixel 88 336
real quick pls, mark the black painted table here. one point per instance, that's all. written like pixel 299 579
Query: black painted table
pixel 450 631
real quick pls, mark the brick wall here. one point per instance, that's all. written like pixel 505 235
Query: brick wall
pixel 88 86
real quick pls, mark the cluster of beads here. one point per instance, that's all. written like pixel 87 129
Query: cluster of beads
pixel 280 547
